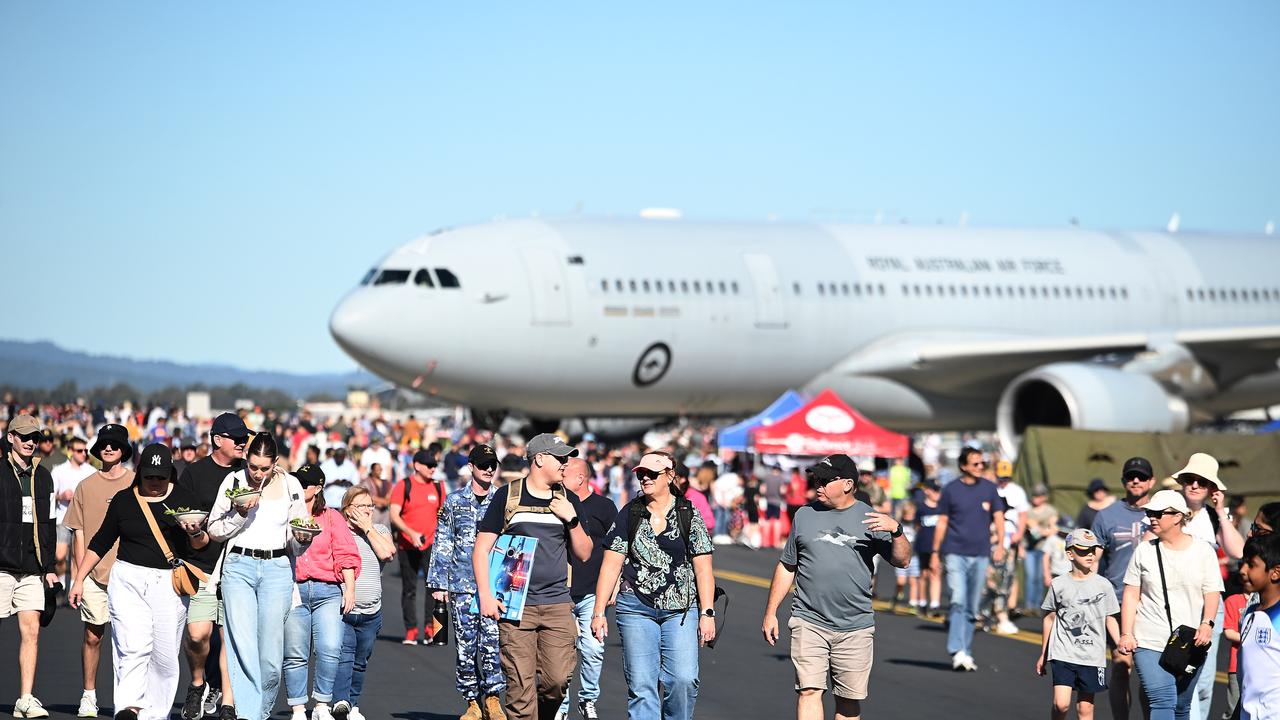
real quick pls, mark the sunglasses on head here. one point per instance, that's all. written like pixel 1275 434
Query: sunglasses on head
pixel 1157 514
pixel 1188 480
pixel 647 474
pixel 486 466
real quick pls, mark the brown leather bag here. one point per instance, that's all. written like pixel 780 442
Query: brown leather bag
pixel 186 578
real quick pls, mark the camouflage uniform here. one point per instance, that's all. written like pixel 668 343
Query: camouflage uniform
pixel 479 667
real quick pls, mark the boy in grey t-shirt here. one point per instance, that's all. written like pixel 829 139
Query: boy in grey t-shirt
pixel 1078 616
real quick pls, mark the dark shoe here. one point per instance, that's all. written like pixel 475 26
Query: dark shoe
pixel 341 710
pixel 193 706
pixel 228 713
pixel 126 714
pixel 587 709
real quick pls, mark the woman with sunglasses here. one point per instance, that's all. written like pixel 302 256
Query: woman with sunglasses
pixel 1267 520
pixel 1187 569
pixel 1206 496
pixel 665 572
pixel 256 572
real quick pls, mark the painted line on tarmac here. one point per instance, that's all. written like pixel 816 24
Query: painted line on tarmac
pixel 1025 636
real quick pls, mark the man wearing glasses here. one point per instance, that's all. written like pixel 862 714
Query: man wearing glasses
pixel 1119 527
pixel 542 644
pixel 477 668
pixel 28 536
pixel 66 477
pixel 209 692
pixel 966 512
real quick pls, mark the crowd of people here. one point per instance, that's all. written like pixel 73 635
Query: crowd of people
pixel 257 558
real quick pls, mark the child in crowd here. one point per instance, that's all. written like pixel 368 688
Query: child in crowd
pixel 1232 606
pixel 1259 667
pixel 1079 609
pixel 908 578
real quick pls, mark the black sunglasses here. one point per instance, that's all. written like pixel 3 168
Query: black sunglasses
pixel 647 474
pixel 1195 480
pixel 978 463
pixel 29 437
pixel 1157 514
pixel 486 466
pixel 237 439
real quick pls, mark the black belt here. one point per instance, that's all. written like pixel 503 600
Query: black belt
pixel 260 554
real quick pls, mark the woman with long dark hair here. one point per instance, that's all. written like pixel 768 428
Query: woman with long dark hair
pixel 256 572
pixel 326 576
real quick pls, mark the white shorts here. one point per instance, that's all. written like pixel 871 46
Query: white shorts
pixel 912 570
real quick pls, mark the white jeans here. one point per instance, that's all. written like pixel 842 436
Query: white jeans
pixel 147 620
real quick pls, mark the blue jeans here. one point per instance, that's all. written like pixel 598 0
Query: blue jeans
pixel 318 621
pixel 1033 572
pixel 966 579
pixel 590 653
pixel 359 633
pixel 1203 696
pixel 658 646
pixel 1170 697
pixel 721 516
pixel 256 595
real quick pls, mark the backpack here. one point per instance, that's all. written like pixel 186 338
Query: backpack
pixel 640 513
pixel 514 491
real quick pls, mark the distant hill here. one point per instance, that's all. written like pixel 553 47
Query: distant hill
pixel 45 365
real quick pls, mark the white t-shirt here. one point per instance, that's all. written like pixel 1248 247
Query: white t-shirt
pixel 1189 574
pixel 380 455
pixel 333 472
pixel 1201 527
pixel 727 489
pixel 1260 662
pixel 1016 498
pixel 65 479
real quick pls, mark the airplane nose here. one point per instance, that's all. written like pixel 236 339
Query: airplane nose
pixel 353 326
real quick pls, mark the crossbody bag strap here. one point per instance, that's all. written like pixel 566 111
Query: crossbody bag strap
pixel 155 529
pixel 1164 587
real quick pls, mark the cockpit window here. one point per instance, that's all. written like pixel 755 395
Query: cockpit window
pixel 392 277
pixel 368 277
pixel 422 278
pixel 447 278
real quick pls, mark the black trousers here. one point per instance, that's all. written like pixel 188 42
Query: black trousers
pixel 412 562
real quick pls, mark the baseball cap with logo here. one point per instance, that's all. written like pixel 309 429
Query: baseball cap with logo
pixel 549 443
pixel 1082 538
pixel 834 466
pixel 24 425
pixel 482 455
pixel 156 461
pixel 1004 469
pixel 309 476
pixel 1137 467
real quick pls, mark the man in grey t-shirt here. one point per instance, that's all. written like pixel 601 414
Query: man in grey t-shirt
pixel 829 555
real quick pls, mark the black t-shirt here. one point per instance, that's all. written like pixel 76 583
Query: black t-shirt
pixel 549 578
pixel 201 480
pixel 597 514
pixel 125 522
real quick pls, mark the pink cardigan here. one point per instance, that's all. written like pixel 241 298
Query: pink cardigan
pixel 331 552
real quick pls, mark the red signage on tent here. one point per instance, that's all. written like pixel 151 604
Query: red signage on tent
pixel 826 425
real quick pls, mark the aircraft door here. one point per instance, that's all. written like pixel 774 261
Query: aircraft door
pixel 548 287
pixel 771 311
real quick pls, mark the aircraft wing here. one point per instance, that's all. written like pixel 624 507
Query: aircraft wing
pixel 969 365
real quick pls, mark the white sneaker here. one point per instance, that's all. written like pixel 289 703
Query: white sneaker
pixel 1007 627
pixel 969 664
pixel 957 663
pixel 321 712
pixel 355 714
pixel 88 705
pixel 28 706
pixel 299 714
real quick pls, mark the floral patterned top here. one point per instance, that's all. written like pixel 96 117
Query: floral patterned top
pixel 660 569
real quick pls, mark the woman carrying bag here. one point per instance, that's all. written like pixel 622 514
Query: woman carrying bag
pixel 1172 587
pixel 148 616
pixel 256 571
pixel 660 547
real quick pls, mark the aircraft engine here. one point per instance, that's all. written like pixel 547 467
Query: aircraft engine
pixel 1086 396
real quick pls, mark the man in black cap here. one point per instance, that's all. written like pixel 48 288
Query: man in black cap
pixel 210 689
pixel 28 539
pixel 829 556
pixel 1119 528
pixel 415 506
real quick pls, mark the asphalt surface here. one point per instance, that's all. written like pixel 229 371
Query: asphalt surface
pixel 742 677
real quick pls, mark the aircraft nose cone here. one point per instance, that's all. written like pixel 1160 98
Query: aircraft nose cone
pixel 353 325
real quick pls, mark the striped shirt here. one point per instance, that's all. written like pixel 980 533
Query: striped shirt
pixel 369 582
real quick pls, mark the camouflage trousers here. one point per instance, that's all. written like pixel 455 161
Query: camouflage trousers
pixel 479 666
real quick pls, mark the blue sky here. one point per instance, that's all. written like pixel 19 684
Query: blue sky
pixel 153 154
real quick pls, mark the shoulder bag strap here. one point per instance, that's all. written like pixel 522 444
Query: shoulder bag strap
pixel 155 529
pixel 1164 588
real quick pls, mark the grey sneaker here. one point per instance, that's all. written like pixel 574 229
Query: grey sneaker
pixel 213 703
pixel 28 706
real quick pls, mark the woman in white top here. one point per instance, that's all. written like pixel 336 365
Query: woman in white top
pixel 256 574
pixel 1206 497
pixel 1194 584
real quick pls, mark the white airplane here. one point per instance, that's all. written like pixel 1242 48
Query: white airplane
pixel 918 327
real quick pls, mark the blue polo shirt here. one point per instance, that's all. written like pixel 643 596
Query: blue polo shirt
pixel 969 510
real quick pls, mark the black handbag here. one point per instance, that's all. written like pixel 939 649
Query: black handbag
pixel 1181 656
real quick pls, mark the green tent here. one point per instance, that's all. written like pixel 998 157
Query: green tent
pixel 1065 460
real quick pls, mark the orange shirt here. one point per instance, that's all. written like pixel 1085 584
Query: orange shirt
pixel 419 513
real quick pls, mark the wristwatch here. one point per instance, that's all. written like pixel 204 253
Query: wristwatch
pixel 1207 622
pixel 709 612
pixel 574 522
pixel 896 533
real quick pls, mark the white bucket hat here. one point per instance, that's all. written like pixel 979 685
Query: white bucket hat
pixel 1204 465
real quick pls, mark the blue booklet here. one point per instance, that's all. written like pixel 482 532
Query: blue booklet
pixel 510 562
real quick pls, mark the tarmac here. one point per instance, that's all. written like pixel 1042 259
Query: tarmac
pixel 742 677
